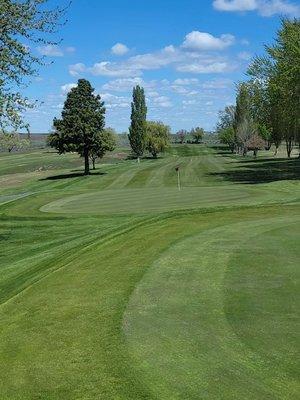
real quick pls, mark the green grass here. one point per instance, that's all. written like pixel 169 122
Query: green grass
pixel 117 286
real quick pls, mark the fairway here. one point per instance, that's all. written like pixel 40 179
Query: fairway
pixel 120 286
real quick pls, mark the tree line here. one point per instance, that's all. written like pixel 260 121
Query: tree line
pixel 267 109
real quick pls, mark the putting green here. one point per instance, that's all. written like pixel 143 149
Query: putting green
pixel 215 319
pixel 145 200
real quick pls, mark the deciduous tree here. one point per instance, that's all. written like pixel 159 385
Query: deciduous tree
pixel 21 24
pixel 197 134
pixel 137 129
pixel 106 141
pixel 158 137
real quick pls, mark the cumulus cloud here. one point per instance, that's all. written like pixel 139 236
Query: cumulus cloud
pixel 205 41
pixel 266 8
pixel 67 87
pixel 200 68
pixel 77 69
pixel 112 101
pixel 197 54
pixel 119 49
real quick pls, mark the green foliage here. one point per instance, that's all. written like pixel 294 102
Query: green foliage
pixel 226 118
pixel 12 141
pixel 105 142
pixel 158 137
pixel 197 134
pixel 22 23
pixel 137 130
pixel 278 74
pixel 83 120
pixel 227 136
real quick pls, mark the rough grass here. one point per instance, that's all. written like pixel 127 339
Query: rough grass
pixel 177 297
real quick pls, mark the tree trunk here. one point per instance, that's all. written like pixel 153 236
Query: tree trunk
pixel 289 147
pixel 93 161
pixel 86 162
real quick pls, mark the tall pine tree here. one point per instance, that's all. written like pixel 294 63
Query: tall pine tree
pixel 138 127
pixel 83 119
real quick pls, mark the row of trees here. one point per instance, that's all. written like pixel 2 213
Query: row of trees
pixel 12 142
pixel 195 134
pixel 267 109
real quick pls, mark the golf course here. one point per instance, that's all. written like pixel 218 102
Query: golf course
pixel 123 285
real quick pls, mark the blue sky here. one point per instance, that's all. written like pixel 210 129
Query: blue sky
pixel 187 54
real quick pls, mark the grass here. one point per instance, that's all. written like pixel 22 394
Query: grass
pixel 117 286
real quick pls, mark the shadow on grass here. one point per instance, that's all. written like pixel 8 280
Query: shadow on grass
pixel 72 175
pixel 262 171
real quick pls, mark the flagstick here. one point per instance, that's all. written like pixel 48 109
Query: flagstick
pixel 178 180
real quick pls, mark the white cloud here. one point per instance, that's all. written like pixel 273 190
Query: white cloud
pixel 113 69
pixel 270 8
pixel 123 84
pixel 192 56
pixel 77 69
pixel 112 101
pixel 266 8
pixel 217 84
pixel 50 50
pixel 199 68
pixel 67 87
pixel 186 81
pixel 235 5
pixel 197 41
pixel 162 101
pixel 119 49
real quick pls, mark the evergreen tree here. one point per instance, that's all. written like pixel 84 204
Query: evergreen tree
pixel 138 127
pixel 83 119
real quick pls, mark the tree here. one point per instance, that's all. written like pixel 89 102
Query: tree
pixel 181 135
pixel 12 141
pixel 255 143
pixel 105 142
pixel 266 135
pixel 227 136
pixel 197 133
pixel 158 137
pixel 279 72
pixel 21 24
pixel 226 118
pixel 243 125
pixel 83 119
pixel 225 127
pixel 137 130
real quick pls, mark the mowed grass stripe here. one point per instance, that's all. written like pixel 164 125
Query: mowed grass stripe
pixel 146 200
pixel 178 331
